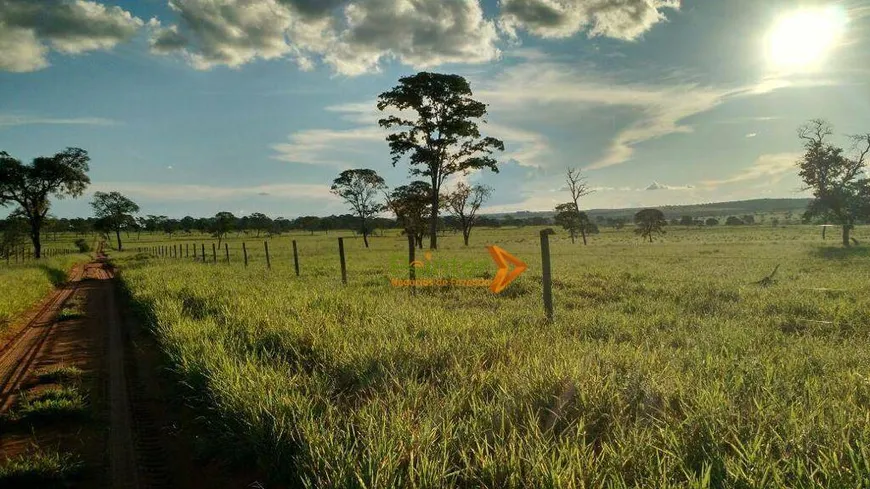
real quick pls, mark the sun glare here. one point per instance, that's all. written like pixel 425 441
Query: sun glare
pixel 801 40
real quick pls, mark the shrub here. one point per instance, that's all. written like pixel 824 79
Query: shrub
pixel 83 245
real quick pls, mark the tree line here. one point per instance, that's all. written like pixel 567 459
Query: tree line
pixel 435 124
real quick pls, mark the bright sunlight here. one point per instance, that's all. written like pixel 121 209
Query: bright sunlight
pixel 802 40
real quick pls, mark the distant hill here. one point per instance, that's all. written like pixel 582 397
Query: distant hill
pixel 738 207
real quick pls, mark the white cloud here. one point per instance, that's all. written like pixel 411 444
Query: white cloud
pixel 319 146
pixel 193 192
pixel 618 19
pixel 352 37
pixel 662 106
pixel 28 28
pixel 9 120
pixel 661 186
pixel 769 167
pixel 751 135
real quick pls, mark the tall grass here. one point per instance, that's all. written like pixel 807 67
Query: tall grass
pixel 666 365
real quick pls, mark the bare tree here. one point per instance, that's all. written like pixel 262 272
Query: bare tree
pixel 464 202
pixel 578 185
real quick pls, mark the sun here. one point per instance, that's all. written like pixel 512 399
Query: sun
pixel 801 40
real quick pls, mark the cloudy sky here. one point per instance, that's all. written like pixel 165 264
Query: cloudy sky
pixel 199 106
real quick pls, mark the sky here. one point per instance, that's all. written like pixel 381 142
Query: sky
pixel 191 107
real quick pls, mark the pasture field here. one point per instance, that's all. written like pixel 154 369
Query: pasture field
pixel 667 364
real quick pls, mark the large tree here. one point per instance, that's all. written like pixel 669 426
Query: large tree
pixel 114 212
pixel 443 139
pixel 464 202
pixel 29 186
pixel 840 184
pixel 411 204
pixel 649 222
pixel 360 188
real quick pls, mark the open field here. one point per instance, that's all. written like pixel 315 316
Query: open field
pixel 666 365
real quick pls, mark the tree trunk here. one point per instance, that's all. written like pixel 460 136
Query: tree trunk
pixel 572 236
pixel 583 233
pixel 433 222
pixel 465 235
pixel 118 237
pixel 846 229
pixel 365 233
pixel 35 224
pixel 650 237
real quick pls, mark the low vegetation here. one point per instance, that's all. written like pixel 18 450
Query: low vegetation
pixel 22 286
pixel 668 364
pixel 50 405
pixel 39 468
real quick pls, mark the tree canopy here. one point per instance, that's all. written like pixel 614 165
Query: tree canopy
pixel 114 212
pixel 649 222
pixel 839 183
pixel 360 188
pixel 30 186
pixel 442 137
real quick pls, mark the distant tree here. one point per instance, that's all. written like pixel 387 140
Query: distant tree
pixel 170 226
pixel 412 204
pixel 29 186
pixel 360 189
pixel 649 221
pixel 687 221
pixel 572 220
pixel 187 224
pixel 464 202
pixel 840 184
pixel 578 186
pixel 308 223
pixel 114 212
pixel 222 224
pixel 444 139
pixel 712 221
pixel 734 221
pixel 774 222
pixel 748 219
pixel 259 222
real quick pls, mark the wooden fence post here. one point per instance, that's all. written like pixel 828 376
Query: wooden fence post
pixel 547 277
pixel 227 251
pixel 194 251
pixel 187 250
pixel 295 258
pixel 213 253
pixel 245 253
pixel 343 264
pixel 268 260
pixel 412 270
pixel 203 252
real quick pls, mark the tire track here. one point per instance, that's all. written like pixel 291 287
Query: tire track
pixel 17 356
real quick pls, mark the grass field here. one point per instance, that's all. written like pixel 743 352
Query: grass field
pixel 666 365
pixel 23 285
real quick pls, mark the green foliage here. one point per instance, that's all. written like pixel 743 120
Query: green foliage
pixel 23 285
pixel 664 367
pixel 82 245
pixel 51 405
pixel 30 186
pixel 649 222
pixel 360 189
pixel 445 138
pixel 39 468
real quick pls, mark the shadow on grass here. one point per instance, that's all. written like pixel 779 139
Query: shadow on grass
pixel 56 275
pixel 840 253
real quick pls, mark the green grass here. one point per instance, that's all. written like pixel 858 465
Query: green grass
pixel 666 365
pixel 59 374
pixel 51 405
pixel 23 285
pixel 39 469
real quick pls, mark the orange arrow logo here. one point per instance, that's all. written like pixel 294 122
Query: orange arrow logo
pixel 502 277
